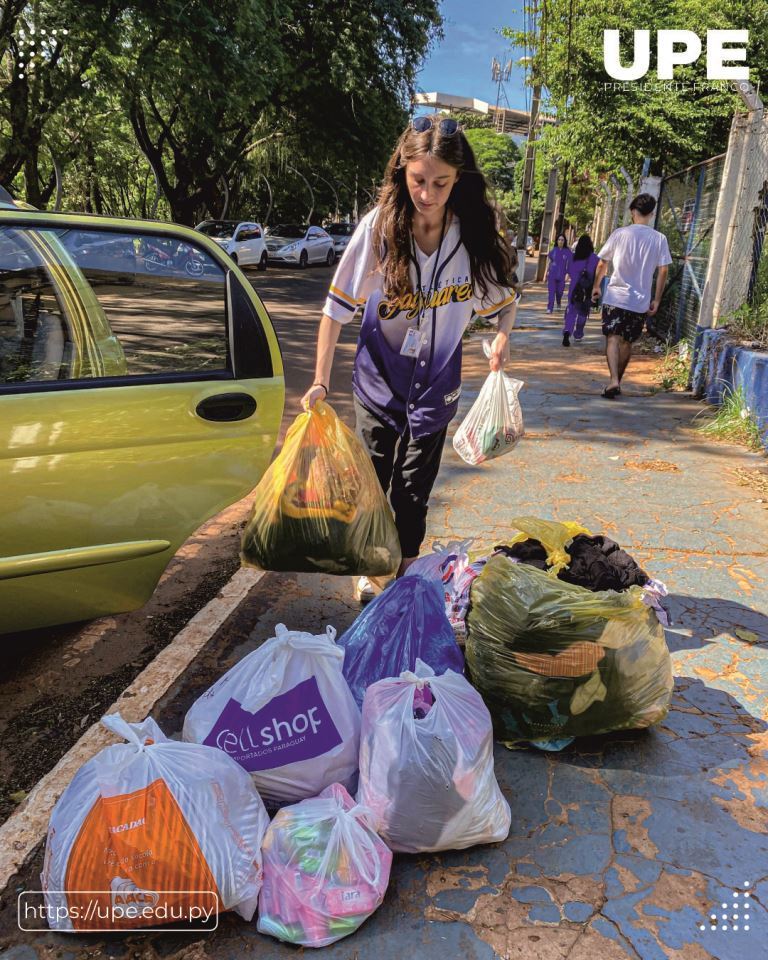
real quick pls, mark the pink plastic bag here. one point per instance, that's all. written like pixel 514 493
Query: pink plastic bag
pixel 325 870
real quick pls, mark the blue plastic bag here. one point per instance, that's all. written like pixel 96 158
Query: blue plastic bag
pixel 405 623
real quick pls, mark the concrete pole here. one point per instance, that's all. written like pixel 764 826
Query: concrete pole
pixel 731 184
pixel 616 202
pixel 630 193
pixel 525 200
pixel 605 219
pixel 547 224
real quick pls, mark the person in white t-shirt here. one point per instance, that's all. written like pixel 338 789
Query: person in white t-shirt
pixel 636 251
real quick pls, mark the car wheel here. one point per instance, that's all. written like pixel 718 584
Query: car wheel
pixel 263 261
pixel 331 258
pixel 303 259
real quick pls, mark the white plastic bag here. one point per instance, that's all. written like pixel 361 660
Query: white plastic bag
pixel 494 422
pixel 286 714
pixel 325 870
pixel 430 782
pixel 155 824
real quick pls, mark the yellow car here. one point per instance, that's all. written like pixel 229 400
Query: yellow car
pixel 141 392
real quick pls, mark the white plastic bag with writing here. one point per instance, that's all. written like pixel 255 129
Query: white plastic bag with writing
pixel 286 714
pixel 494 423
pixel 153 831
pixel 426 763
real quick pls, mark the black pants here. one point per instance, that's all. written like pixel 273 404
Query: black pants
pixel 409 466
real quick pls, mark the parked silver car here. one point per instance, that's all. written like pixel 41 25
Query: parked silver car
pixel 300 245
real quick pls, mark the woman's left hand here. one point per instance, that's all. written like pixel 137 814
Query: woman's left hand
pixel 498 352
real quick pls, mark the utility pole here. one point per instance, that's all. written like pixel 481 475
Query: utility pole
pixel 530 160
pixel 545 241
pixel 525 200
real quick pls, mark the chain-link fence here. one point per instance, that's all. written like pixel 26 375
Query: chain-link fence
pixel 686 215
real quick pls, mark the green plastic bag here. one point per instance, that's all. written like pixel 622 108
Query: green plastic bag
pixel 554 660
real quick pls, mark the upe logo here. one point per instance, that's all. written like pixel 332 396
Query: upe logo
pixel 675 48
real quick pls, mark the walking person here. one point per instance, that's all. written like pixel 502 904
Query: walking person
pixel 581 271
pixel 635 251
pixel 420 264
pixel 559 258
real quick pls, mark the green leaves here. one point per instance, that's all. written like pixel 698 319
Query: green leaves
pixel 177 93
pixel 603 126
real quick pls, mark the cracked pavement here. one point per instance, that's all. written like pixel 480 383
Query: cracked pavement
pixel 622 845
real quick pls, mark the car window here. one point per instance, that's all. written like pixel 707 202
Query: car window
pixel 340 229
pixel 108 304
pixel 218 229
pixel 249 233
pixel 290 231
pixel 37 339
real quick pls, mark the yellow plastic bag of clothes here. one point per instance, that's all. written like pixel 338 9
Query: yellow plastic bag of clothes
pixel 319 507
pixel 552 534
pixel 555 660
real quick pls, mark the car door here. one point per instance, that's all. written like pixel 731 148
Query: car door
pixel 324 244
pixel 247 241
pixel 240 244
pixel 313 237
pixel 134 405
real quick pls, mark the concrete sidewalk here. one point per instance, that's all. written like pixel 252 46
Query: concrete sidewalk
pixel 622 845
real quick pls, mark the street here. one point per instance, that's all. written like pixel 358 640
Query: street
pixel 621 845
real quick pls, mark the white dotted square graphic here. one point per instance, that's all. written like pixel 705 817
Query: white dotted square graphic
pixel 736 917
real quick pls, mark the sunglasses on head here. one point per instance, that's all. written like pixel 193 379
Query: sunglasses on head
pixel 446 127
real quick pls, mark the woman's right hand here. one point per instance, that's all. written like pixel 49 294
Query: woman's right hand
pixel 316 392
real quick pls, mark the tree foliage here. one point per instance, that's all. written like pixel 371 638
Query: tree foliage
pixel 601 128
pixel 189 107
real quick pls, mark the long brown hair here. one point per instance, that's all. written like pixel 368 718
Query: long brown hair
pixel 491 259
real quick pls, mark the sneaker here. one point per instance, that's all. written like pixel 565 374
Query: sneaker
pixel 366 588
pixel 364 591
pixel 549 311
pixel 566 339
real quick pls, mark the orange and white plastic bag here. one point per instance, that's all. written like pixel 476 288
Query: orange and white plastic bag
pixel 153 831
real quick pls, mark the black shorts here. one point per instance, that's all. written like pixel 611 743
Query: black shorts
pixel 623 323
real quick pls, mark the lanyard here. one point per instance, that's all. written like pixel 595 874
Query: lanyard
pixel 415 258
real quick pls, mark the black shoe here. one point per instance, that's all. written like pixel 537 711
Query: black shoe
pixel 566 339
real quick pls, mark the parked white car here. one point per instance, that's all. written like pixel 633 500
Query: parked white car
pixel 300 245
pixel 242 239
pixel 341 234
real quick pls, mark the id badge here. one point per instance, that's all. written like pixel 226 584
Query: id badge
pixel 411 342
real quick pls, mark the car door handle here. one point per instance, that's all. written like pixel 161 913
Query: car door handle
pixel 226 407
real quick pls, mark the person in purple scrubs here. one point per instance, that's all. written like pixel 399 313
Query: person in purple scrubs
pixel 559 258
pixel 581 271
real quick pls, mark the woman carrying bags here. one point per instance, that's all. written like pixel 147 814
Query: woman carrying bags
pixel 559 258
pixel 419 266
pixel 581 270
